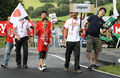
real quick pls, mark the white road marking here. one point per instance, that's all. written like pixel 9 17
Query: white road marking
pixel 85 66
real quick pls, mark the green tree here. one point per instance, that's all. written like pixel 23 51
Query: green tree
pixel 38 10
pixel 63 10
pixel 7 7
pixel 47 6
pixel 43 1
pixel 30 10
pixel 59 2
pixel 52 10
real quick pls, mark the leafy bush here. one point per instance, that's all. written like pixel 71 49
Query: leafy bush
pixel 42 1
pixel 63 10
pixel 38 10
pixel 52 10
pixel 30 10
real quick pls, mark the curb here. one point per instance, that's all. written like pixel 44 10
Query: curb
pixel 106 62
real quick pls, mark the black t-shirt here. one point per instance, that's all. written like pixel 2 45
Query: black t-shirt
pixel 95 23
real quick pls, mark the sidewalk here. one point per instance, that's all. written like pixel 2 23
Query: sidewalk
pixel 108 56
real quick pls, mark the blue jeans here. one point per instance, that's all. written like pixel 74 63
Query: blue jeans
pixel 81 41
pixel 9 47
pixel 54 43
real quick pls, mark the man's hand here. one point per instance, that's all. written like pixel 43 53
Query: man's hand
pixel 29 40
pixel 81 29
pixel 18 38
pixel 51 43
pixel 64 41
pixel 104 30
pixel 5 41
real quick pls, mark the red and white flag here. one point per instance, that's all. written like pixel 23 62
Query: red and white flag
pixel 18 13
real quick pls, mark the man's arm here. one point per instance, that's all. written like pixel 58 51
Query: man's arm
pixel 29 36
pixel 85 24
pixel 64 36
pixel 50 41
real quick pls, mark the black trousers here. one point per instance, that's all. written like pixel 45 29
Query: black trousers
pixel 72 46
pixel 19 44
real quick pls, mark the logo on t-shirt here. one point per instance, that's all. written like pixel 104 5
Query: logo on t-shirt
pixel 100 22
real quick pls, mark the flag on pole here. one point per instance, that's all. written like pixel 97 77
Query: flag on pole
pixel 18 13
pixel 115 12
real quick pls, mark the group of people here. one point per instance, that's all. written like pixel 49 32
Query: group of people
pixel 71 37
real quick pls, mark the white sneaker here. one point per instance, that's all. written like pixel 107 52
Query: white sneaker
pixel 119 60
pixel 42 68
pixel 45 66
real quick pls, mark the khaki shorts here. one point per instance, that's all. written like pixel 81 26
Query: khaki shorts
pixel 94 43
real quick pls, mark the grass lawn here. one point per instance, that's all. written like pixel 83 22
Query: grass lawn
pixel 114 69
pixel 2 43
pixel 36 19
pixel 34 3
pixel 63 18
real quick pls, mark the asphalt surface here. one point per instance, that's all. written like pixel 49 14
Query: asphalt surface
pixel 55 64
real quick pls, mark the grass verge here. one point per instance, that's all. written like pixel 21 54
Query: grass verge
pixel 2 43
pixel 114 69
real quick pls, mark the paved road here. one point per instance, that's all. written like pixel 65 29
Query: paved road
pixel 55 64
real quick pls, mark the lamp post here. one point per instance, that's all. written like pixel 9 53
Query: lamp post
pixel 96 7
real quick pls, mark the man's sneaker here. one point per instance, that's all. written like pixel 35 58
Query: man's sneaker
pixel 18 66
pixel 95 66
pixel 42 68
pixel 45 66
pixel 90 66
pixel 78 71
pixel 25 66
pixel 66 69
pixel 3 66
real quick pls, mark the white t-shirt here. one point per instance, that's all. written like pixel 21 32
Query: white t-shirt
pixel 73 26
pixel 21 28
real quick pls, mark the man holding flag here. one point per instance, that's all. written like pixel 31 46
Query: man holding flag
pixel 22 34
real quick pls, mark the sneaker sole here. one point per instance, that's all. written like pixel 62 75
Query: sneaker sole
pixel 44 70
